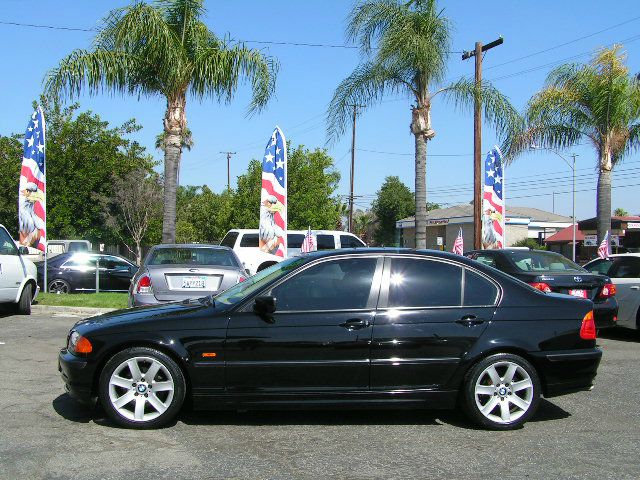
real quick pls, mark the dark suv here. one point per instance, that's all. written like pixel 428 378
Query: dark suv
pixel 551 272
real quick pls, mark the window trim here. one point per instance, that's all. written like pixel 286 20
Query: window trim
pixel 372 301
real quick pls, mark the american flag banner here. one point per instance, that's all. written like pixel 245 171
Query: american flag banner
pixel 32 217
pixel 492 202
pixel 309 242
pixel 273 199
pixel 458 245
pixel 604 250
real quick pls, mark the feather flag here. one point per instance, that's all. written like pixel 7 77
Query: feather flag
pixel 493 210
pixel 273 199
pixel 32 217
pixel 604 250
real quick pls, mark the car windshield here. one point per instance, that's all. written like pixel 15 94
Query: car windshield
pixel 235 294
pixel 536 261
pixel 192 256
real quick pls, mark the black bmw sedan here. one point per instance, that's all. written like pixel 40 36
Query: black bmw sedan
pixel 551 272
pixel 350 328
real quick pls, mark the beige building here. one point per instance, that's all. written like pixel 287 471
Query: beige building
pixel 443 225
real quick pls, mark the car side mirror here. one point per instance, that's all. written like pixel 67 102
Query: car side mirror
pixel 265 306
pixel 23 250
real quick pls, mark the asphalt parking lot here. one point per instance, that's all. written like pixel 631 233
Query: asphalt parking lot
pixel 45 434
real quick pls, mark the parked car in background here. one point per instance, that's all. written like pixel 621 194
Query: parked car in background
pixel 171 273
pixel 342 329
pixel 76 272
pixel 624 271
pixel 551 272
pixel 18 286
pixel 56 247
pixel 245 243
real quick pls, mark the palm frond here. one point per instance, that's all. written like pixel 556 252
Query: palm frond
pixel 366 86
pixel 369 20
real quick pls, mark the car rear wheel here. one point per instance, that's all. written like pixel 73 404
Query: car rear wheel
pixel 141 388
pixel 59 286
pixel 501 392
pixel 24 305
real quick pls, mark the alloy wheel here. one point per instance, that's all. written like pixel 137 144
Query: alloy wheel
pixel 58 286
pixel 141 389
pixel 504 392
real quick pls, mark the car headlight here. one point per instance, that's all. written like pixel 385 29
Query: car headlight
pixel 78 344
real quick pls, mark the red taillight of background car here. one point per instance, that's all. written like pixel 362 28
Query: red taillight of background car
pixel 609 290
pixel 588 328
pixel 241 278
pixel 543 287
pixel 144 284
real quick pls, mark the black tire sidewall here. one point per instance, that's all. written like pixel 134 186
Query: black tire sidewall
pixel 469 402
pixel 168 362
pixel 24 304
pixel 59 280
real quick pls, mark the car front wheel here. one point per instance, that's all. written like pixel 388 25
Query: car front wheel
pixel 501 392
pixel 141 388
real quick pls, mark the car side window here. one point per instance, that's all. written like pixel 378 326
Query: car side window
pixel 325 242
pixel 294 240
pixel 347 241
pixel 7 245
pixel 343 284
pixel 424 283
pixel 601 266
pixel 114 263
pixel 229 239
pixel 478 290
pixel 249 240
pixel 486 260
pixel 81 262
pixel 625 267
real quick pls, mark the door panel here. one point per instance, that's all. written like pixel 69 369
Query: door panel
pixel 318 339
pixel 628 296
pixel 11 275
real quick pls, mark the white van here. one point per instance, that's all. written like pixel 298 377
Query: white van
pixel 245 243
pixel 18 275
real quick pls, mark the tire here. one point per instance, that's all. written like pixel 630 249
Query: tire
pixel 24 304
pixel 57 285
pixel 489 397
pixel 131 399
pixel 265 265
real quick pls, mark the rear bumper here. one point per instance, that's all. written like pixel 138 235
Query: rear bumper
pixel 565 371
pixel 77 375
pixel 605 313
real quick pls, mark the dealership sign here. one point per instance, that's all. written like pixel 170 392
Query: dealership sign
pixel 592 240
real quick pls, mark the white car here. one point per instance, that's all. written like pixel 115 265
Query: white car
pixel 18 275
pixel 624 271
pixel 245 243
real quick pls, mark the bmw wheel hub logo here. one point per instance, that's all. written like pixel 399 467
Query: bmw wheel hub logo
pixel 502 391
pixel 142 388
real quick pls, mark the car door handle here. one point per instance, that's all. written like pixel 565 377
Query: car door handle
pixel 470 320
pixel 355 324
pixel 635 287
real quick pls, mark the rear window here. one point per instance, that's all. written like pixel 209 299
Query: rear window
pixel 193 256
pixel 536 261
pixel 78 247
pixel 249 240
pixel 325 242
pixel 229 240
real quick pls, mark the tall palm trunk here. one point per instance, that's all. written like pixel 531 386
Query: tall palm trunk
pixel 422 131
pixel 603 202
pixel 175 122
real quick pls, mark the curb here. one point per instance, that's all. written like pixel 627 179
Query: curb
pixel 86 311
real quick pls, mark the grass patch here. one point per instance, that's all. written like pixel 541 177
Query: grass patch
pixel 100 300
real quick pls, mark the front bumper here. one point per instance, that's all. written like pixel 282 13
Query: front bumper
pixel 567 371
pixel 77 375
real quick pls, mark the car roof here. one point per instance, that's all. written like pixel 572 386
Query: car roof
pixel 320 232
pixel 190 245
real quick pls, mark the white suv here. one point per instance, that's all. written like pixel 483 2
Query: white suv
pixel 245 243
pixel 18 275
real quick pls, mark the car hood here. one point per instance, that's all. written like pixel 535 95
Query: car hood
pixel 156 317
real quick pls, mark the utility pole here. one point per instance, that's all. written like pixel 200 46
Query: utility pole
pixel 229 168
pixel 477 139
pixel 353 162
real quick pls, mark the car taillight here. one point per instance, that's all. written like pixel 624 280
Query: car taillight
pixel 588 328
pixel 241 278
pixel 543 287
pixel 144 284
pixel 609 290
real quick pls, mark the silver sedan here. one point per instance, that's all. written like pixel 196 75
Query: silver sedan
pixel 177 272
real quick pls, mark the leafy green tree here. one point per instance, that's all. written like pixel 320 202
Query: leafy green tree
pixel 620 212
pixel 165 49
pixel 406 45
pixel 597 103
pixel 393 201
pixel 10 161
pixel 531 243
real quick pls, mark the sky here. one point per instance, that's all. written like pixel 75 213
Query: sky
pixel 538 35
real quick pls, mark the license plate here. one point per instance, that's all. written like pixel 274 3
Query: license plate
pixel 193 282
pixel 578 293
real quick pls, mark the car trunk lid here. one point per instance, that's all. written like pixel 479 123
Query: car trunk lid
pixel 177 282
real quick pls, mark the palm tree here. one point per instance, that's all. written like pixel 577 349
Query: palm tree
pixel 406 46
pixel 597 102
pixel 165 49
